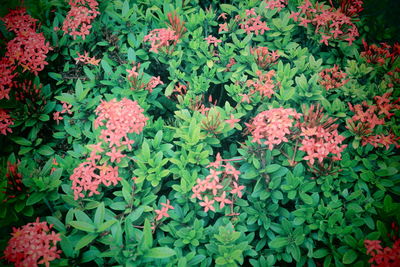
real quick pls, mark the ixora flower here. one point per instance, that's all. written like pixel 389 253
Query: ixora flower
pixel 28 49
pixel 119 118
pixel 5 122
pixel 161 38
pixel 270 127
pixel 33 244
pixel 79 18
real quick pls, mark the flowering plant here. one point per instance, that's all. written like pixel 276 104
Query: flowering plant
pixel 198 133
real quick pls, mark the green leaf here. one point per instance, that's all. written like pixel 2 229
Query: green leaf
pixel 272 168
pixel 106 225
pixel 44 117
pixel 35 198
pixel 136 214
pixel 84 241
pixel 278 242
pixel 83 226
pixel 126 191
pixel 147 240
pixel 99 215
pixel 390 171
pixel 228 8
pixel 306 198
pixel 145 151
pixel 58 225
pixel 320 253
pixel 66 246
pixel 21 141
pixel 78 89
pixel 68 98
pixel 125 8
pixel 106 67
pixel 349 257
pixel 45 150
pixel 160 253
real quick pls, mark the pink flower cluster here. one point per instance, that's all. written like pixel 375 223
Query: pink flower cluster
pixel 379 55
pixel 366 117
pixel 264 85
pixel 6 77
pixel 5 122
pixel 383 257
pixel 330 23
pixel 160 38
pixel 270 127
pixel 163 213
pixel 119 118
pixel 252 23
pixel 319 143
pixel 66 109
pixel 153 83
pixel 279 4
pixel 33 244
pixel 85 59
pixel 79 18
pixel 28 49
pixel 136 80
pixel 212 40
pixel 332 78
pixel 319 137
pixel 89 175
pixel 223 179
pixel 264 57
pixel 14 182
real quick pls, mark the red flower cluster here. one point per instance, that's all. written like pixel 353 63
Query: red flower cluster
pixel 163 213
pixel 79 18
pixel 214 188
pixel 28 48
pixel 264 85
pixel 122 117
pixel 270 127
pixel 33 244
pixel 383 257
pixel 363 123
pixel 320 137
pixel 176 24
pixel 279 4
pixel 212 40
pixel 5 122
pixel 136 80
pixel 264 57
pixel 332 78
pixel 378 55
pixel 14 181
pixel 85 59
pixel 88 176
pixel 6 77
pixel 318 143
pixel 160 38
pixel 119 119
pixel 153 83
pixel 252 23
pixel 330 23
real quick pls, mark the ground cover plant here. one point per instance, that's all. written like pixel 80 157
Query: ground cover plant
pixel 198 133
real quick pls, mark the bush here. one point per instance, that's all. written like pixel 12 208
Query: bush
pixel 187 133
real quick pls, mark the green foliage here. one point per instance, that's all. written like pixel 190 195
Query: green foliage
pixel 281 210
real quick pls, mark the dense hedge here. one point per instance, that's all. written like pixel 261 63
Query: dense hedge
pixel 198 133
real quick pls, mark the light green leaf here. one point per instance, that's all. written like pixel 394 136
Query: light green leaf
pixel 160 253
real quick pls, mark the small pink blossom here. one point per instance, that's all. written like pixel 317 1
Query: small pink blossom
pixel 207 204
pixel 212 40
pixel 33 244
